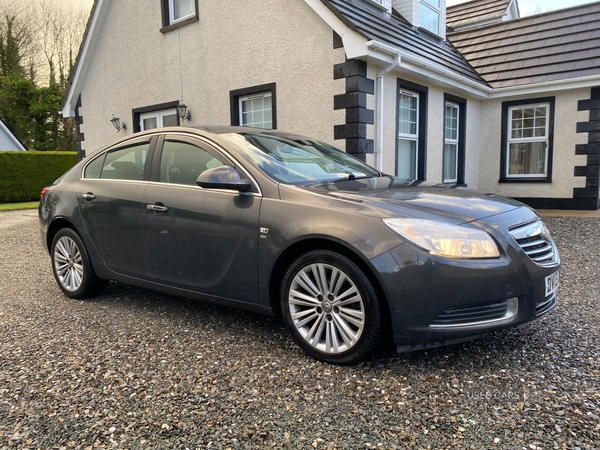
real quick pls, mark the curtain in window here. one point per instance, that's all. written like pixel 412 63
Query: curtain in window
pixel 407 159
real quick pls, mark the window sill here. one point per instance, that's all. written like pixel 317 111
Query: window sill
pixel 429 33
pixel 525 180
pixel 180 24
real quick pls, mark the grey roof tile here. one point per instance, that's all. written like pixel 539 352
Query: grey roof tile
pixel 556 45
pixel 375 24
pixel 475 10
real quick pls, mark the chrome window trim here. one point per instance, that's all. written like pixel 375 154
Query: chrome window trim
pixel 189 186
pixel 214 145
pixel 114 147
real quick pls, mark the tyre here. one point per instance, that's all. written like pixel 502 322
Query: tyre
pixel 330 308
pixel 72 266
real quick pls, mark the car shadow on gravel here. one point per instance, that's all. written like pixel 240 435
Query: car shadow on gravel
pixel 269 334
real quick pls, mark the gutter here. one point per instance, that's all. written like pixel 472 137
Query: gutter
pixel 482 90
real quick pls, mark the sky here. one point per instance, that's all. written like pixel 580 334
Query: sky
pixel 528 7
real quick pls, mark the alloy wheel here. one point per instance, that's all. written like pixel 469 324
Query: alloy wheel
pixel 326 308
pixel 68 263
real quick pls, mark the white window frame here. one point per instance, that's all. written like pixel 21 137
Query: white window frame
pixel 241 99
pixel 450 141
pixel 159 116
pixel 409 136
pixel 434 8
pixel 511 140
pixel 172 13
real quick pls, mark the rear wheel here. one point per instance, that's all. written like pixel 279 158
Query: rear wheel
pixel 330 308
pixel 72 266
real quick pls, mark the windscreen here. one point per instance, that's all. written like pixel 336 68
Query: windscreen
pixel 293 159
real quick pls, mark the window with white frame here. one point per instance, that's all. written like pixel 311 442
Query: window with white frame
pixel 408 135
pixel 429 15
pixel 254 106
pixel 181 10
pixel 527 141
pixel 256 110
pixel 451 132
pixel 177 13
pixel 157 119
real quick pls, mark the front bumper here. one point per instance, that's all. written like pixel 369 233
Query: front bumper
pixel 437 301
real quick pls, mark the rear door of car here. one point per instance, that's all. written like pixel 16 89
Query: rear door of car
pixel 200 239
pixel 110 196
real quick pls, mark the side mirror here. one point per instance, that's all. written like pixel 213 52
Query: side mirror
pixel 222 177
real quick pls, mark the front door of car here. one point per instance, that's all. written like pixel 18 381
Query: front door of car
pixel 110 196
pixel 199 239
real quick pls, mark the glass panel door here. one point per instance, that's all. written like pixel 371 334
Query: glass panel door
pixel 155 119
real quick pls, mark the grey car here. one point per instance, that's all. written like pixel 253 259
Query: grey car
pixel 285 225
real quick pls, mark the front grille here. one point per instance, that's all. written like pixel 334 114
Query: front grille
pixel 465 316
pixel 534 239
pixel 545 305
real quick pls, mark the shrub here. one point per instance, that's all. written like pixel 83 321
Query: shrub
pixel 24 174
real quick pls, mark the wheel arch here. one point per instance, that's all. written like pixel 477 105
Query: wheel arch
pixel 301 247
pixel 55 226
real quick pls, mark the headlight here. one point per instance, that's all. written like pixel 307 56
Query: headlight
pixel 443 239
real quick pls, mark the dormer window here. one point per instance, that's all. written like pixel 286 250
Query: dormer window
pixel 429 15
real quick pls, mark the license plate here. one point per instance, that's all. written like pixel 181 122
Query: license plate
pixel 551 284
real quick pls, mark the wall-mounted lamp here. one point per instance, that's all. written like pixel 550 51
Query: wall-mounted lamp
pixel 117 123
pixel 182 111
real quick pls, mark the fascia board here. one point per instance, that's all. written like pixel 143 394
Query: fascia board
pixel 85 58
pixel 12 137
pixel 355 44
pixel 548 86
pixel 383 53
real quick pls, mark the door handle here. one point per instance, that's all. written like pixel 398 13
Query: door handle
pixel 158 208
pixel 88 196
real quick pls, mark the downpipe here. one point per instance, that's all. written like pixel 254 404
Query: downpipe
pixel 379 141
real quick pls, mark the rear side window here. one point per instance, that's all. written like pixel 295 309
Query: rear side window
pixel 125 163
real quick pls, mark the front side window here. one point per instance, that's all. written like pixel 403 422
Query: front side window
pixel 182 163
pixel 429 15
pixel 528 141
pixel 157 119
pixel 451 143
pixel 408 135
pixel 126 163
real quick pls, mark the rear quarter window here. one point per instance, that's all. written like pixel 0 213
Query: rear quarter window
pixel 94 168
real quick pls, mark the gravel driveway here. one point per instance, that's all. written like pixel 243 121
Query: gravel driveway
pixel 136 369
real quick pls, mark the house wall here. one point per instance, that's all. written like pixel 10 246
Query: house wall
pixel 435 127
pixel 234 45
pixel 564 158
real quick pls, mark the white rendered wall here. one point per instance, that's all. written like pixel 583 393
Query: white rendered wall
pixel 234 45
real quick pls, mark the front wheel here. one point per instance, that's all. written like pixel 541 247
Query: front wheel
pixel 330 308
pixel 72 266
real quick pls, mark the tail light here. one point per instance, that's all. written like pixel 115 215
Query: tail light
pixel 43 193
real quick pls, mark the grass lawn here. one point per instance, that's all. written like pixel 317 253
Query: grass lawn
pixel 11 206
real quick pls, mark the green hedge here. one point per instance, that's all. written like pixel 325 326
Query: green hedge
pixel 23 175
